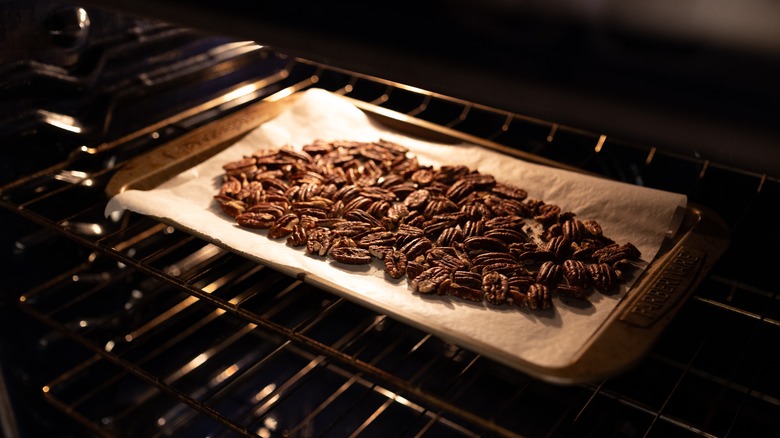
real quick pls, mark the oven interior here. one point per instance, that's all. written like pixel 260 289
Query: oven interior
pixel 124 326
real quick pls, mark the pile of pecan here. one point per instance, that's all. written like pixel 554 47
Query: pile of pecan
pixel 450 230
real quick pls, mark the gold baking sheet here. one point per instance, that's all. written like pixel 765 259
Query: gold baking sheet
pixel 567 344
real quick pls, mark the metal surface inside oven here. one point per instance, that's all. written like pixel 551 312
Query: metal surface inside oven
pixel 125 326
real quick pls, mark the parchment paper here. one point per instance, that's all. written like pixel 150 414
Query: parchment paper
pixel 546 339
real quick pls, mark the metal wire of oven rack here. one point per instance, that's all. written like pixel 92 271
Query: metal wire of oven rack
pixel 176 336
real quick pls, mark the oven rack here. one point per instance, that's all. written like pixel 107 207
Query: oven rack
pixel 702 379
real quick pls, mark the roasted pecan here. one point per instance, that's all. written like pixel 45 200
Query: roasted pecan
pixel 256 220
pixel 511 269
pixel 417 247
pixel 362 216
pixel 395 263
pixel 510 191
pixel 576 273
pixel 547 214
pixel 342 242
pixel 413 269
pixel 423 176
pixel 549 273
pixel 507 235
pixel 417 199
pixel 283 226
pixel 379 238
pixel 449 237
pixel 298 236
pixel 494 287
pixel 467 279
pixel 614 252
pixel 232 208
pixel 512 222
pixel 350 255
pixel 464 292
pixel 539 297
pixel 460 189
pixel 473 228
pixel 350 228
pixel 560 246
pixel 479 244
pixel 604 277
pixel 396 212
pixel 319 241
pixel 429 280
pixel 439 205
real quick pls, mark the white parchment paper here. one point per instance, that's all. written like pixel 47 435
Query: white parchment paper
pixel 547 339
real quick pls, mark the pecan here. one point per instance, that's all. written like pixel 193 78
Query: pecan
pixel 533 256
pixel 450 236
pixel 480 244
pixel 460 190
pixel 515 296
pixel 560 246
pixel 351 255
pixel 487 258
pixel 576 273
pixel 423 176
pixel 298 236
pixel 358 203
pixel 512 222
pixel 362 216
pixel 574 230
pixel 510 191
pixel 523 281
pixel 475 211
pixel 539 297
pixel 494 286
pixel 271 208
pixel 547 213
pixel 613 253
pixel 396 212
pixel 319 241
pixel 450 261
pixel 283 226
pixel 350 228
pixel 473 228
pixel 406 233
pixel 232 208
pixel 379 238
pixel 439 205
pixel 395 263
pixel 246 165
pixel 413 269
pixel 549 273
pixel 507 235
pixel 429 280
pixel 256 220
pixel 481 181
pixel 231 186
pixel 510 269
pixel 604 277
pixel 467 279
pixel 342 242
pixel 417 247
pixel 593 228
pixel 464 292
pixel 418 199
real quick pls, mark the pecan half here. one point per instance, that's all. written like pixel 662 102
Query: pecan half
pixel 429 280
pixel 495 287
pixel 395 263
pixel 351 255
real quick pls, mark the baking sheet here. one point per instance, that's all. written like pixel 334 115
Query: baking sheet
pixel 520 337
